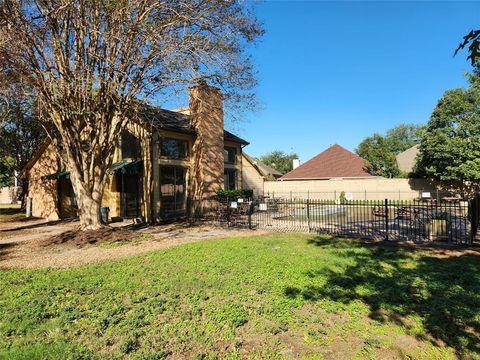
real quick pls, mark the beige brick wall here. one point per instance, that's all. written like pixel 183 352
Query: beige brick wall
pixel 251 178
pixel 206 115
pixel 44 192
pixel 362 189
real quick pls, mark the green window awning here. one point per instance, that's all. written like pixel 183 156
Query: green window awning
pixel 129 168
pixel 57 175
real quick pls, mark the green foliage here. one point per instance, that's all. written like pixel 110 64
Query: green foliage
pixel 380 151
pixel 7 168
pixel 472 40
pixel 450 146
pixel 235 194
pixel 403 137
pixel 213 299
pixel 342 197
pixel 279 160
pixel 380 159
pixel 20 135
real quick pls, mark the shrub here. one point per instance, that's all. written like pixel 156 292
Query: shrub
pixel 238 193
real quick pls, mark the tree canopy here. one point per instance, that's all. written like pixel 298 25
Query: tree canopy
pixel 279 160
pixel 20 135
pixel 380 151
pixel 450 145
pixel 91 61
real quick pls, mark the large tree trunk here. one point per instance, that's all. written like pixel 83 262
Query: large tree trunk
pixel 89 213
pixel 89 198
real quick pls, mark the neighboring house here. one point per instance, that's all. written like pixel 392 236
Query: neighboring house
pixel 406 159
pixel 334 163
pixel 255 173
pixel 165 163
pixel 9 194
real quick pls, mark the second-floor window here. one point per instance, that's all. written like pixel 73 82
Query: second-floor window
pixel 230 155
pixel 173 148
pixel 130 146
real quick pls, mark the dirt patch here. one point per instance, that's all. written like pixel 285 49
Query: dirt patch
pixel 62 246
pixel 80 239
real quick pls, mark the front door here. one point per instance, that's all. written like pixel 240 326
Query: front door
pixel 130 195
pixel 173 185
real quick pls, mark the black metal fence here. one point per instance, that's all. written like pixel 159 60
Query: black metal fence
pixel 388 219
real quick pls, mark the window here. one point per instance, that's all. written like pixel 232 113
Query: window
pixel 230 176
pixel 230 155
pixel 173 190
pixel 173 148
pixel 130 146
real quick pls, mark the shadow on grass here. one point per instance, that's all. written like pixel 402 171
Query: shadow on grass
pixel 5 250
pixel 397 282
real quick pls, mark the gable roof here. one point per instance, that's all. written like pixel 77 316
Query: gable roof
pixel 177 121
pixel 406 159
pixel 334 162
pixel 262 168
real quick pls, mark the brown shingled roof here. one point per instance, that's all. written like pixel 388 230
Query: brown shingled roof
pixel 334 162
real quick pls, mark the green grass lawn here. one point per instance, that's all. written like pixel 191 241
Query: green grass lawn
pixel 274 296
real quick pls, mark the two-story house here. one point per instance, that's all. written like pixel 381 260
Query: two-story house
pixel 165 164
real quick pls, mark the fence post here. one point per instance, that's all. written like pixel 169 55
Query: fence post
pixel 308 214
pixel 386 219
pixel 250 211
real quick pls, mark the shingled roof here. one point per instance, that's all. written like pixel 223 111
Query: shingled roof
pixel 335 162
pixel 177 121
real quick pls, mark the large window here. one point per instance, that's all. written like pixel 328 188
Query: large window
pixel 173 148
pixel 230 155
pixel 230 176
pixel 173 190
pixel 130 146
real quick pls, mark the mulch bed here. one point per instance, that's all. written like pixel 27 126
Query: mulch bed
pixel 82 238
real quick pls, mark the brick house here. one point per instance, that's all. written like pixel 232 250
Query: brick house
pixel 165 163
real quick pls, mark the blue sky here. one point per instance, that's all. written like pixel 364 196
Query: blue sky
pixel 336 72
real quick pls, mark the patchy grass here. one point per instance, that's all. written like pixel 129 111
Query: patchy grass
pixel 264 297
pixel 10 212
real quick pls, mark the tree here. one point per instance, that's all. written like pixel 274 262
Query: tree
pixel 91 61
pixel 403 137
pixel 7 171
pixel 20 135
pixel 380 159
pixel 450 145
pixel 472 40
pixel 279 160
pixel 380 151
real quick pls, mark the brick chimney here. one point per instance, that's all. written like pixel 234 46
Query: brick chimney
pixel 206 116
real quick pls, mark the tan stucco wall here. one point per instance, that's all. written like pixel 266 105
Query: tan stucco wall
pixel 44 192
pixel 252 179
pixel 362 189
